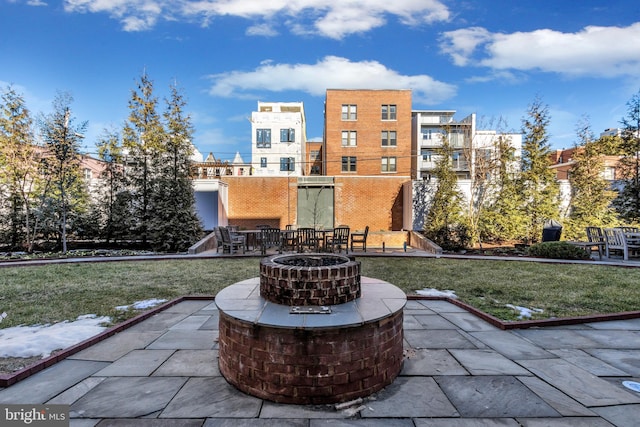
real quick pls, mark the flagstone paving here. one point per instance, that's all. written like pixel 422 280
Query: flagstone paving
pixel 458 371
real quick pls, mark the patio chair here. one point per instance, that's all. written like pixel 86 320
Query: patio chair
pixel 596 239
pixel 233 231
pixel 232 242
pixel 289 239
pixel 360 239
pixel 307 238
pixel 339 238
pixel 270 238
pixel 218 234
pixel 627 229
pixel 617 241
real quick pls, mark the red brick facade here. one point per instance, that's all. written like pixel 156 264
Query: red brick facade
pixel 365 122
pixel 358 201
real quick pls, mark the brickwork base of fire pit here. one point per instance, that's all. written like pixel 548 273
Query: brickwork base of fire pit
pixel 267 352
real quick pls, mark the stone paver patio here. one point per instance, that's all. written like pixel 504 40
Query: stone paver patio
pixel 458 371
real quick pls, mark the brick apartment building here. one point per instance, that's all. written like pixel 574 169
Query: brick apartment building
pixel 368 133
pixel 360 174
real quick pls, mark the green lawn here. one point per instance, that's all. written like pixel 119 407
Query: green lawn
pixel 52 293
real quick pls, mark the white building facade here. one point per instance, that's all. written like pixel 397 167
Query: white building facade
pixel 278 139
pixel 472 150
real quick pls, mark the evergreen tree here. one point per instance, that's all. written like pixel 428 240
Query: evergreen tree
pixel 539 187
pixel 142 138
pixel 628 201
pixel 591 195
pixel 115 199
pixel 174 224
pixel 444 223
pixel 62 164
pixel 18 169
pixel 502 219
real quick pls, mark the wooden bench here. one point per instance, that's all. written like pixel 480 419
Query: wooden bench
pixel 588 246
pixel 616 240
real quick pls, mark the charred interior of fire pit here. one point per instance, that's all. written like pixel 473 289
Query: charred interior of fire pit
pixel 349 347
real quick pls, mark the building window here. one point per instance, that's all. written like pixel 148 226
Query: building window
pixel 348 164
pixel 389 138
pixel 456 139
pixel 287 164
pixel 263 138
pixel 315 170
pixel 349 138
pixel 388 164
pixel 388 112
pixel 287 135
pixel 87 174
pixel 263 162
pixel 349 112
pixel 314 155
pixel 609 173
pixel 431 133
pixel 427 155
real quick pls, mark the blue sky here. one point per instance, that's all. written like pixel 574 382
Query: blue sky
pixel 489 57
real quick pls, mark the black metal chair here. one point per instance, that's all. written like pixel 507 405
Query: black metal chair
pixel 338 239
pixel 289 239
pixel 270 238
pixel 307 238
pixel 360 239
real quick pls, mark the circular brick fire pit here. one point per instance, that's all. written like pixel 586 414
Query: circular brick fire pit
pixel 313 279
pixel 305 332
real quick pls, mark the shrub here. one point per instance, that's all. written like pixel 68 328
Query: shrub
pixel 450 238
pixel 557 250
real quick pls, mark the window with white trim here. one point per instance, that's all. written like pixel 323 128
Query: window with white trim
pixel 389 138
pixel 287 164
pixel 349 138
pixel 287 135
pixel 263 138
pixel 349 112
pixel 388 164
pixel 389 112
pixel 348 163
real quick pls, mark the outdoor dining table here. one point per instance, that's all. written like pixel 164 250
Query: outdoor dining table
pixel 251 237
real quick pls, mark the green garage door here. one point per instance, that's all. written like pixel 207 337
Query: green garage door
pixel 315 206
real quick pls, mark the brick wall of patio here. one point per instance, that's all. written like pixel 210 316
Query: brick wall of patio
pixel 358 202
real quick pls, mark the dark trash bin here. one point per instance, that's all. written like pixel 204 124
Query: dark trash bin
pixel 551 231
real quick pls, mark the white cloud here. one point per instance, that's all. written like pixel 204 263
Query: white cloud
pixel 460 44
pixel 331 72
pixel 328 18
pixel 593 51
pixel 265 30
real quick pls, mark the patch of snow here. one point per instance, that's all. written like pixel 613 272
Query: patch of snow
pixel 142 305
pixel 430 292
pixel 41 340
pixel 524 311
